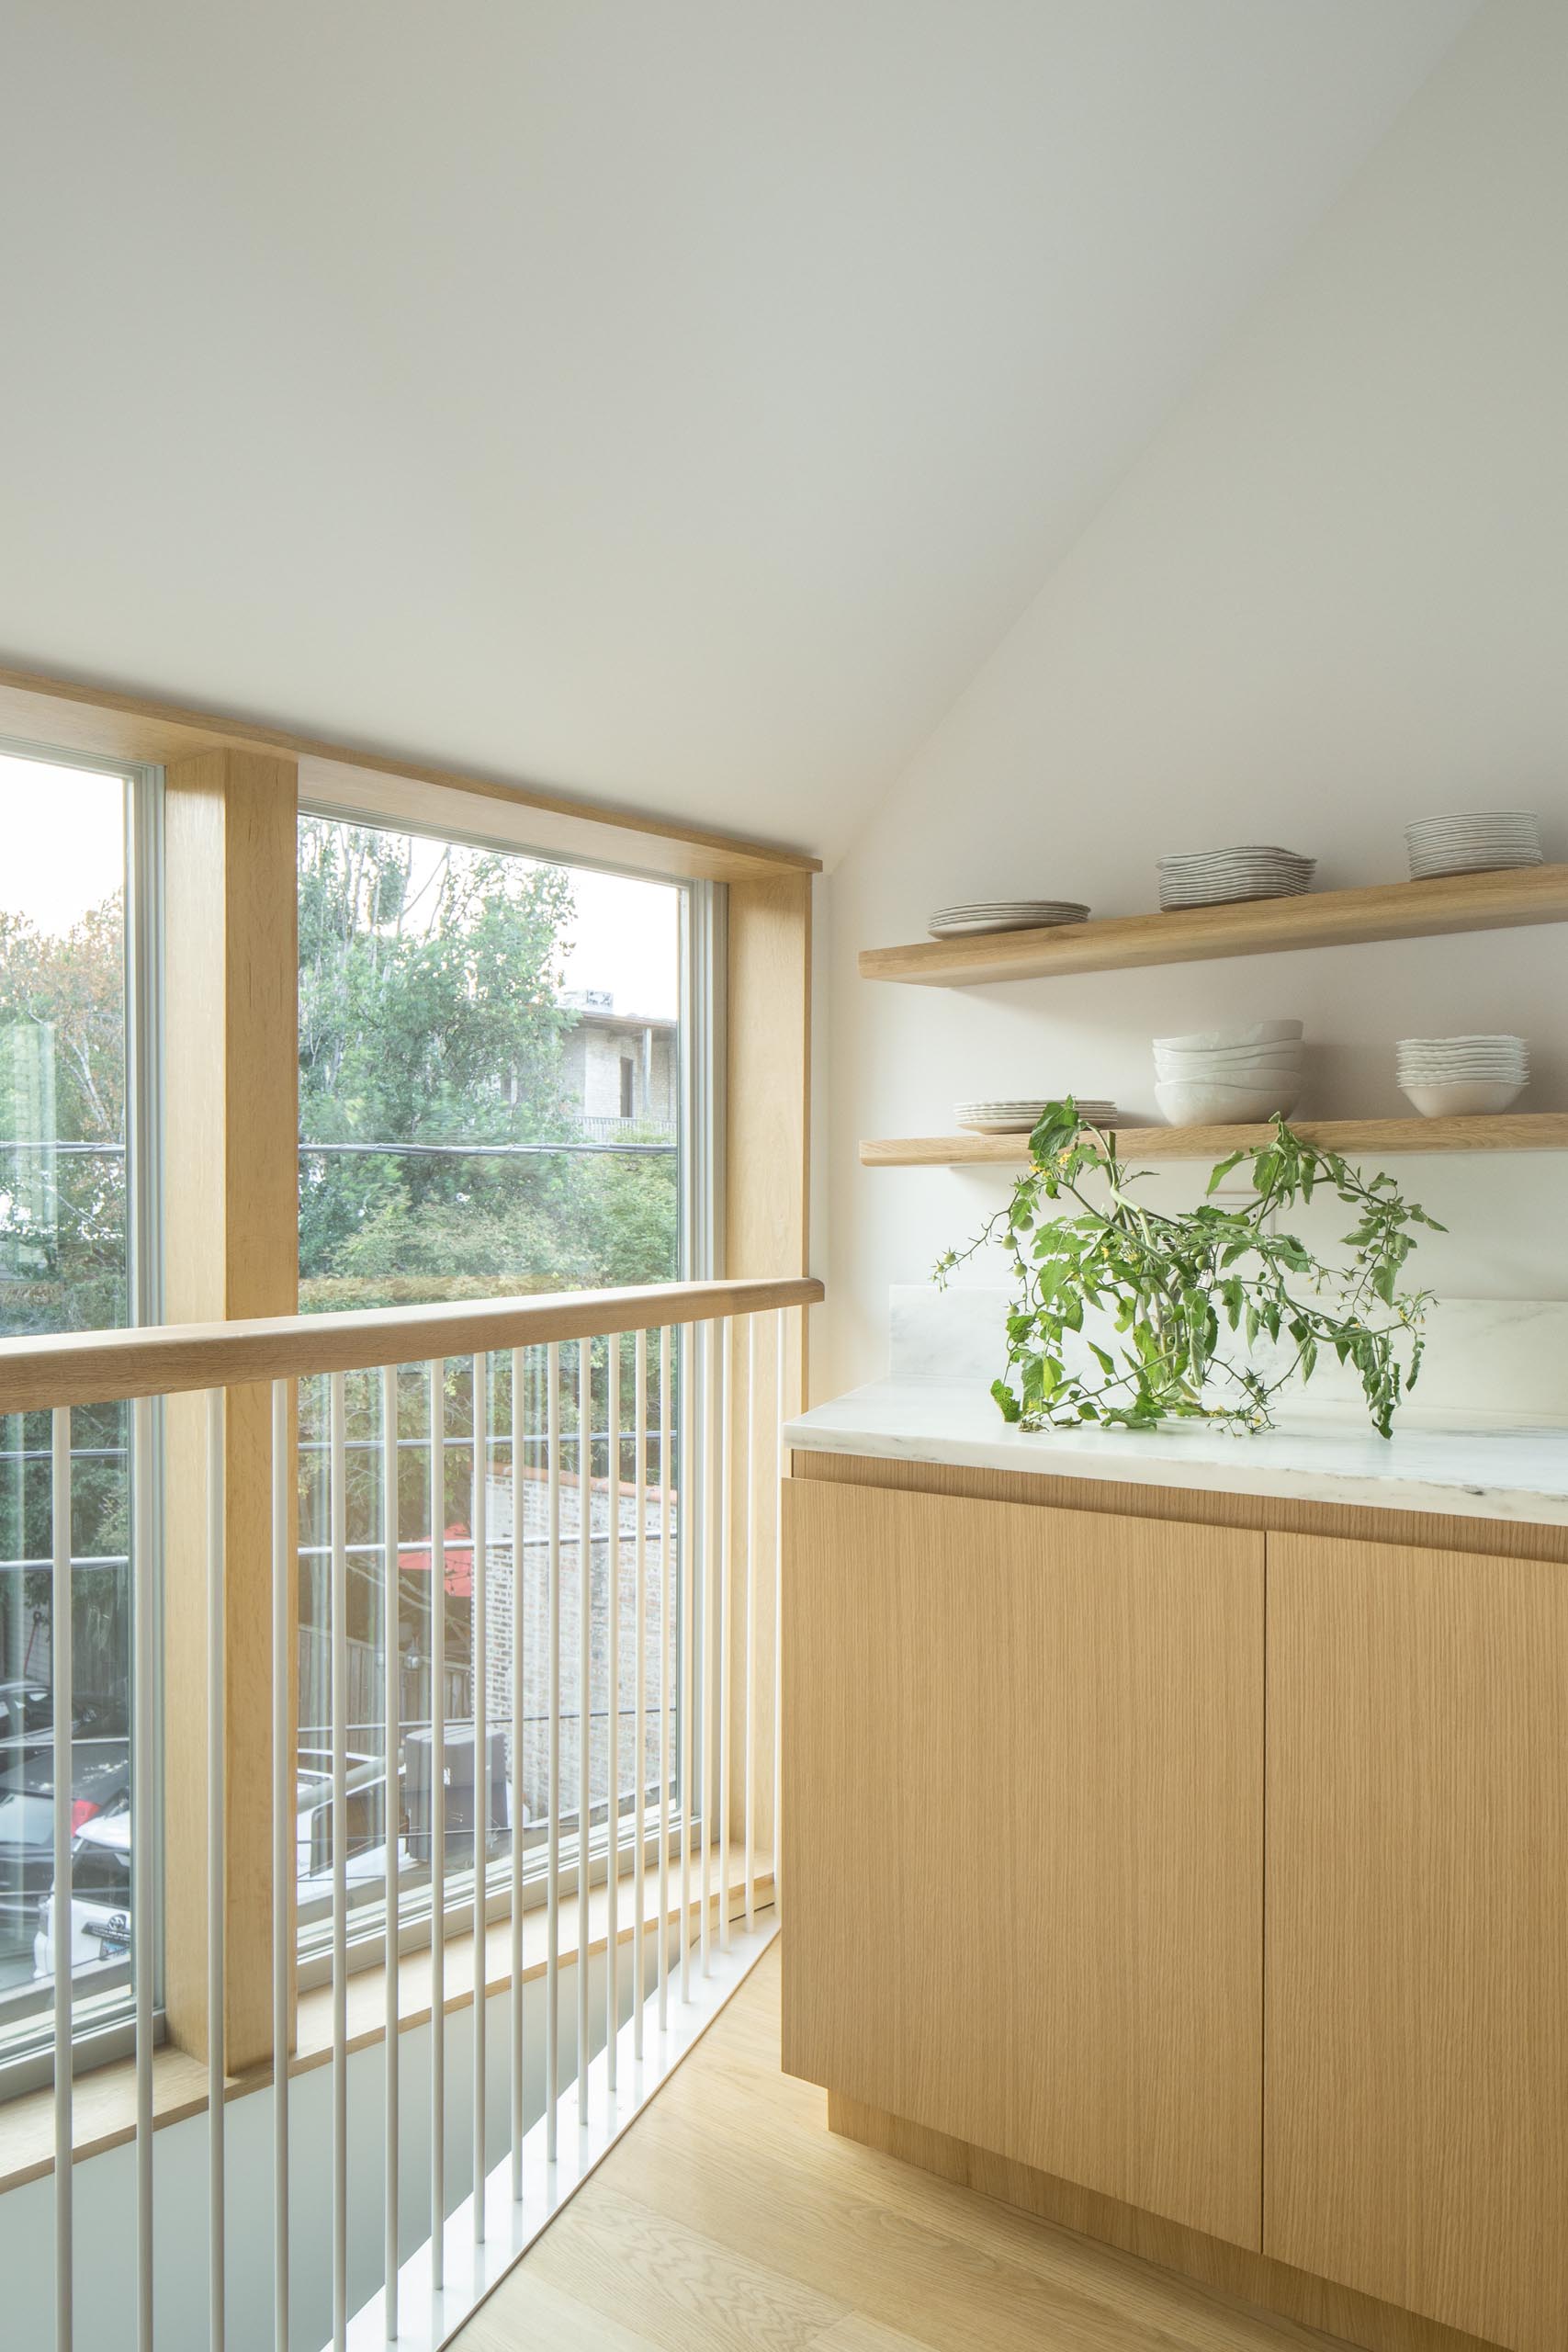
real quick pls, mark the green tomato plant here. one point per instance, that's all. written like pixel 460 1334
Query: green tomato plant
pixel 1188 1294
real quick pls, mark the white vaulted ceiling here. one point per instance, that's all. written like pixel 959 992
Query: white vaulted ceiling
pixel 671 401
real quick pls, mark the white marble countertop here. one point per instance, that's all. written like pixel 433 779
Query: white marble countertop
pixel 1432 1463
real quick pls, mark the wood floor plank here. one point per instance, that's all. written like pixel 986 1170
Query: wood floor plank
pixel 921 2256
pixel 858 2334
pixel 676 2286
pixel 730 2220
pixel 535 2313
pixel 901 2244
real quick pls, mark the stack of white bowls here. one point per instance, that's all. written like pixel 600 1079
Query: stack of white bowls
pixel 1020 1117
pixel 1215 877
pixel 1225 1077
pixel 1004 914
pixel 1463 1078
pixel 1484 842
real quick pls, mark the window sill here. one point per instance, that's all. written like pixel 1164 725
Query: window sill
pixel 105 2102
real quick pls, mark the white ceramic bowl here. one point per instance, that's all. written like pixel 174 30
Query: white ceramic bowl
pixel 1225 1058
pixel 1451 1070
pixel 1261 1033
pixel 1444 1044
pixel 1475 1098
pixel 1251 1079
pixel 1197 1105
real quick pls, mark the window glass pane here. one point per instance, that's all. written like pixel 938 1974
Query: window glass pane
pixel 490 1073
pixel 64 1265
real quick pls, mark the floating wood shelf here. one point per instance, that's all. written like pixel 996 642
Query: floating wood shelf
pixel 1531 894
pixel 1513 1131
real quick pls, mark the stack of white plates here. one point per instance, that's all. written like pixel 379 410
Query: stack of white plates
pixel 1213 878
pixel 1005 914
pixel 1481 843
pixel 1225 1077
pixel 1459 1078
pixel 1020 1118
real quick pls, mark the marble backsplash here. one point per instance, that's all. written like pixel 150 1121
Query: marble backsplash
pixel 1493 1359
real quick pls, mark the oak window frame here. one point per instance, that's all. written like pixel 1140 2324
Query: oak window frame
pixel 759 935
pixel 103 2024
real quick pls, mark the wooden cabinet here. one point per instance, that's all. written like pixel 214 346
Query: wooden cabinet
pixel 1416 2133
pixel 1037 1908
pixel 1024 1828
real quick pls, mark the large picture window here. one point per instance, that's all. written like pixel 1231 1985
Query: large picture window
pixel 76 1234
pixel 490 1104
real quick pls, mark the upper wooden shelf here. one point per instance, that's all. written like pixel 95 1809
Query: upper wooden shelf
pixel 1530 894
pixel 1511 1131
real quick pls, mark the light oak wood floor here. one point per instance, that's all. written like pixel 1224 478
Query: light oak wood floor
pixel 730 2220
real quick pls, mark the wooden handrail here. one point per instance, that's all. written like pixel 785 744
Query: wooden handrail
pixel 162 1359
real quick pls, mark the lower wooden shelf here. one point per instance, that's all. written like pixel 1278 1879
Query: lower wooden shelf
pixel 1512 1131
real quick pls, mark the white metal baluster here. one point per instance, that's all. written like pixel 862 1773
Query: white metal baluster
pixel 612 1714
pixel 143 1783
pixel 216 1869
pixel 725 1586
pixel 61 1909
pixel 640 1667
pixel 437 1824
pixel 337 1436
pixel 779 1419
pixel 392 1703
pixel 482 1770
pixel 584 1698
pixel 710 1628
pixel 686 1537
pixel 748 1708
pixel 552 1848
pixel 519 1613
pixel 666 1587
pixel 285 1861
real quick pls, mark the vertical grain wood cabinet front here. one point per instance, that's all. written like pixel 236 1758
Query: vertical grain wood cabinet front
pixel 1417 2139
pixel 1023 1829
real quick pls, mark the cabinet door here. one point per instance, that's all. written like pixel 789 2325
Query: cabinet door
pixel 1417 2139
pixel 1023 1815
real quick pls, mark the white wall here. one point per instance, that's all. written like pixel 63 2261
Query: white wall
pixel 1331 596
pixel 666 402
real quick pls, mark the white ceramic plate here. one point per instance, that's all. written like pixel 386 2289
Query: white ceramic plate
pixel 971 913
pixel 1476 845
pixel 1245 851
pixel 1475 821
pixel 1173 902
pixel 1435 871
pixel 1027 1126
pixel 1201 869
pixel 1004 922
pixel 1089 1106
pixel 1204 877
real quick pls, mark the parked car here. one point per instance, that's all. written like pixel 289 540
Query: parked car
pixel 100 1775
pixel 100 1896
pixel 100 1860
pixel 26 1721
pixel 366 1814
